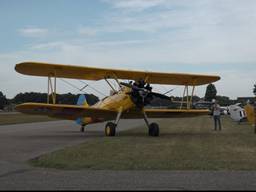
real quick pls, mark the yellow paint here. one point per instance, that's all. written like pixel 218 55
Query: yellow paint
pixel 108 108
pixel 87 120
pixel 119 100
pixel 92 73
pixel 249 109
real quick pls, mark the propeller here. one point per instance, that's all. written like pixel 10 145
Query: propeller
pixel 142 95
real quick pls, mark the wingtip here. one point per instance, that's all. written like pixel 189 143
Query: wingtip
pixel 18 66
pixel 18 107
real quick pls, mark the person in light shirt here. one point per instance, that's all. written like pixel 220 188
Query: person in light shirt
pixel 216 115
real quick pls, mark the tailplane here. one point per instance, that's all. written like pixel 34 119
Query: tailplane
pixel 82 102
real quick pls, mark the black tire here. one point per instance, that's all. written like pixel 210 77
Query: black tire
pixel 110 129
pixel 153 130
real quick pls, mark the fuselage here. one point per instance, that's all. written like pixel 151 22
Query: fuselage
pixel 118 101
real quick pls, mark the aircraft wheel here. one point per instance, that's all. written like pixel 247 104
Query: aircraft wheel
pixel 110 129
pixel 153 130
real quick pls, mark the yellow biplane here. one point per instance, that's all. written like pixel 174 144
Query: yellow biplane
pixel 127 102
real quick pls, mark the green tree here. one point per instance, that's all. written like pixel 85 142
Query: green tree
pixel 68 98
pixel 223 100
pixel 30 97
pixel 210 93
pixel 3 100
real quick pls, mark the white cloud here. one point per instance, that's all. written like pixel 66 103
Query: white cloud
pixel 234 82
pixel 33 32
pixel 199 32
pixel 87 31
pixel 177 35
pixel 135 4
pixel 47 46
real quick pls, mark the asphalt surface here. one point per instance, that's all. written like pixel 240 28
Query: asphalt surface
pixel 19 143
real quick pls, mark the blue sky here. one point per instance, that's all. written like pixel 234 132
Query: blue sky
pixel 200 36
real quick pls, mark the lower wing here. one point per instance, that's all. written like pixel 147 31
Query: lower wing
pixel 165 113
pixel 71 112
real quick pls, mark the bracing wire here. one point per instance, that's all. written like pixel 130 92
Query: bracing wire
pixel 70 84
pixel 167 90
pixel 82 89
pixel 87 85
pixel 170 90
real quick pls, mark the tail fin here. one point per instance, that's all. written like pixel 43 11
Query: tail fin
pixel 81 101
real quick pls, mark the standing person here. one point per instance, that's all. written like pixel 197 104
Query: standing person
pixel 216 115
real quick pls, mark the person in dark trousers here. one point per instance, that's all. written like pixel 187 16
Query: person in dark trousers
pixel 216 115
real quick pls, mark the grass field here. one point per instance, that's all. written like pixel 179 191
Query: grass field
pixel 184 144
pixel 15 118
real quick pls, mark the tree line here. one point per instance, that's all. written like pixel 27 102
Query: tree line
pixel 67 98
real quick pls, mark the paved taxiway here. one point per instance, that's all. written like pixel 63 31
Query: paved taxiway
pixel 19 143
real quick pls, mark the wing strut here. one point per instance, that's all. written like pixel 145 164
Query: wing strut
pixel 153 128
pixel 51 90
pixel 116 79
pixel 185 94
pixel 146 118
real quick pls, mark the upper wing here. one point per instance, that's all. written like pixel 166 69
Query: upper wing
pixel 91 73
pixel 71 112
pixel 165 113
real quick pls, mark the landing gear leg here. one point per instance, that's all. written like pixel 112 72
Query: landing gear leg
pixel 153 128
pixel 82 129
pixel 110 128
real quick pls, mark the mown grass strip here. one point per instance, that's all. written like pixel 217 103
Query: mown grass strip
pixel 16 118
pixel 184 144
